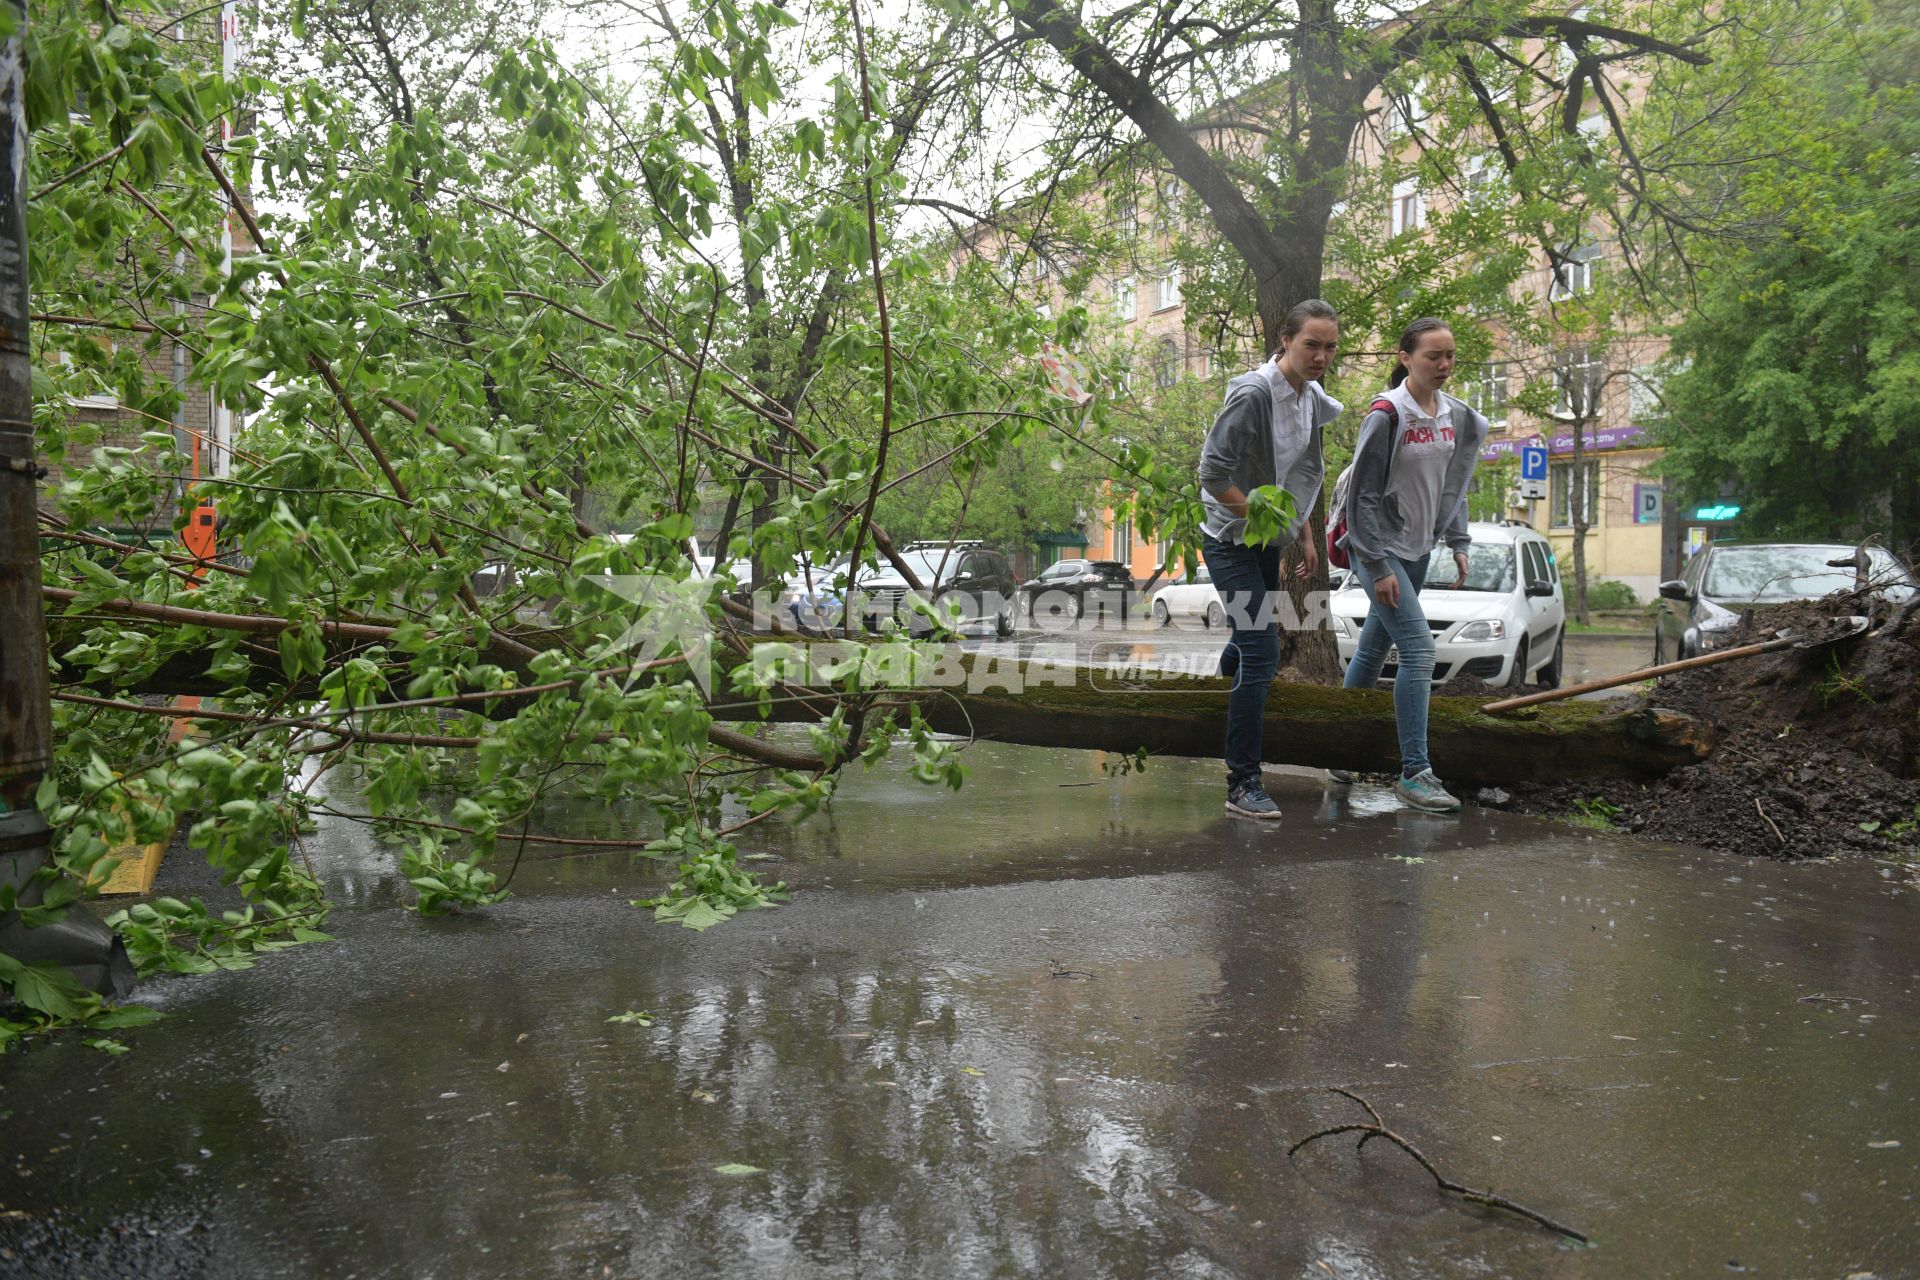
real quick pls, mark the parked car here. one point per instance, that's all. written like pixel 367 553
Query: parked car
pixel 1064 589
pixel 1724 580
pixel 1195 597
pixel 1191 597
pixel 813 591
pixel 976 584
pixel 1506 625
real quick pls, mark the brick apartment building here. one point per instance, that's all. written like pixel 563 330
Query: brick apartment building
pixel 1611 398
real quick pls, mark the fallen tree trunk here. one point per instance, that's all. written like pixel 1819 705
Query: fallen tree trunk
pixel 1048 704
pixel 1338 728
pixel 1043 703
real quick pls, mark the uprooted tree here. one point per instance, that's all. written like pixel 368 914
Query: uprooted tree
pixel 548 342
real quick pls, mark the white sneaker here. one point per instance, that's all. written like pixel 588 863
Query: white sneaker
pixel 1423 791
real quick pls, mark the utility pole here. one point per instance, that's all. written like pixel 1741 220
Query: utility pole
pixel 26 718
pixel 90 951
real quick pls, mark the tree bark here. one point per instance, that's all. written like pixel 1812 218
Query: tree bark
pixel 1039 703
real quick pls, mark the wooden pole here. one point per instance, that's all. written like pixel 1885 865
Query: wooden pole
pixel 1645 673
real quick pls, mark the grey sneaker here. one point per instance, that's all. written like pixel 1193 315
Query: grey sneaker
pixel 1342 776
pixel 1251 801
pixel 1423 791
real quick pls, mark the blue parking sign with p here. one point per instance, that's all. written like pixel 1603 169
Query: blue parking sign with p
pixel 1533 463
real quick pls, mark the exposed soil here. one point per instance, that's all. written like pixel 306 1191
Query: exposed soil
pixel 1819 748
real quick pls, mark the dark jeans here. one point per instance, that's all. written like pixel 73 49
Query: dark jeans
pixel 1246 578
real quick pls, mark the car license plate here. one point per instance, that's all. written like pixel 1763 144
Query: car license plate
pixel 1393 654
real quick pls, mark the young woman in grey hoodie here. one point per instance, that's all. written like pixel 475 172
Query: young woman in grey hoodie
pixel 1267 433
pixel 1411 469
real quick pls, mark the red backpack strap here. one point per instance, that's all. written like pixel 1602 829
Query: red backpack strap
pixel 1386 406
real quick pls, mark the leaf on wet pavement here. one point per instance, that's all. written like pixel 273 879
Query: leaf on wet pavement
pixel 737 1170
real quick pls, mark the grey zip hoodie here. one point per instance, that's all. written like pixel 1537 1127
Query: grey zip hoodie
pixel 1239 453
pixel 1374 518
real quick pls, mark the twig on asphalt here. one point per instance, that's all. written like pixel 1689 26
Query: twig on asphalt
pixel 1378 1129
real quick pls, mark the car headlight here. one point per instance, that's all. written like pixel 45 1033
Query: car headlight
pixel 1714 618
pixel 1340 627
pixel 1487 629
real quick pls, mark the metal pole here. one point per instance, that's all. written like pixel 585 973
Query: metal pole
pixel 26 720
pixel 79 942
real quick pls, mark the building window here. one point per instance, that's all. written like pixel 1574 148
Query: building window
pixel 1126 220
pixel 101 397
pixel 1170 199
pixel 1166 364
pixel 1123 540
pixel 1482 179
pixel 1008 268
pixel 1125 300
pixel 1488 392
pixel 1580 378
pixel 1408 211
pixel 1576 272
pixel 1405 109
pixel 1167 290
pixel 1644 401
pixel 1123 378
pixel 1571 499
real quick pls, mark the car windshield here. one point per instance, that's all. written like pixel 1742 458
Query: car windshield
pixel 1790 573
pixel 1489 567
pixel 928 566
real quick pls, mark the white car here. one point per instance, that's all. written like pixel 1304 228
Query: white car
pixel 1195 597
pixel 1192 597
pixel 1506 626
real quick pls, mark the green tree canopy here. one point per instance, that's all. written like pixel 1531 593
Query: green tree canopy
pixel 1798 382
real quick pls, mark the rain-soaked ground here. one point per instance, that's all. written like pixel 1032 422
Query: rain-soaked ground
pixel 1059 1024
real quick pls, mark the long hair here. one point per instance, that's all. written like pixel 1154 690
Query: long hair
pixel 1410 343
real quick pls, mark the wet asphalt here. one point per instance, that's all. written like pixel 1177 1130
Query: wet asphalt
pixel 1065 1022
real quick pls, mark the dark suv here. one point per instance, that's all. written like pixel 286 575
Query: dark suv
pixel 1698 610
pixel 1064 589
pixel 975 582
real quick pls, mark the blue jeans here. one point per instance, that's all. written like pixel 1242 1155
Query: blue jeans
pixel 1247 578
pixel 1405 627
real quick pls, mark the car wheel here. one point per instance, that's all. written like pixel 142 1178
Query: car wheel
pixel 1550 675
pixel 1078 609
pixel 1216 616
pixel 1517 678
pixel 1162 616
pixel 1003 623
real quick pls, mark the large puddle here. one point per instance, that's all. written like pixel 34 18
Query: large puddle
pixel 1057 1024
